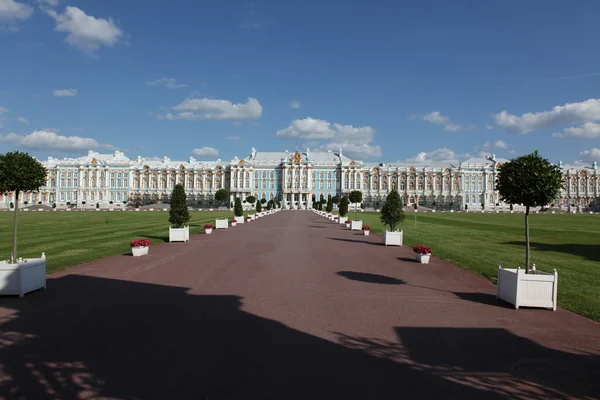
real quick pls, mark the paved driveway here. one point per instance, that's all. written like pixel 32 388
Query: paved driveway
pixel 287 307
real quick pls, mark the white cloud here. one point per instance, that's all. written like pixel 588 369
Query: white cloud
pixel 46 140
pixel 22 120
pixel 441 155
pixel 52 3
pixel 85 32
pixel 221 110
pixel 589 130
pixel 206 151
pixel 435 117
pixel 233 138
pixel 65 92
pixel 489 127
pixel 166 82
pixel 586 111
pixel 12 11
pixel 295 104
pixel 590 155
pixel 355 142
pixel 498 144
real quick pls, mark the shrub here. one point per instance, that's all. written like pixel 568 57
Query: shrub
pixel 391 212
pixel 97 205
pixel 233 222
pixel 68 203
pixel 53 205
pixel 278 204
pixel 137 204
pixel 12 205
pixel 83 202
pixel 343 209
pixel 110 202
pixel 335 199
pixel 25 202
pixel 39 202
pixel 178 214
pixel 139 243
pixel 250 199
pixel 354 197
pixel 329 207
pixel 238 210
pixel 263 200
pixel 258 206
pixel 422 249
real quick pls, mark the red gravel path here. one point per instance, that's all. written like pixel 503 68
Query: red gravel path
pixel 287 307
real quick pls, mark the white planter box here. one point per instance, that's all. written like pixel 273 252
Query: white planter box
pixel 208 231
pixel 140 251
pixel 366 233
pixel 391 238
pixel 422 258
pixel 23 277
pixel 151 209
pixel 252 216
pixel 137 209
pixel 221 223
pixel 179 234
pixel 342 220
pixel 240 220
pixel 356 226
pixel 537 289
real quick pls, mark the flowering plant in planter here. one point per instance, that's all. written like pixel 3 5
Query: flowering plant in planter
pixel 366 228
pixel 208 226
pixel 233 222
pixel 422 249
pixel 139 243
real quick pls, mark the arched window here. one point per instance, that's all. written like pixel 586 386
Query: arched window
pixel 411 185
pixel 375 184
pixel 402 185
pixel 384 185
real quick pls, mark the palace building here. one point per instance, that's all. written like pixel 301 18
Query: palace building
pixel 294 178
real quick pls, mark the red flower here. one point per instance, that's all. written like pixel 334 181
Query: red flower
pixel 366 228
pixel 140 243
pixel 422 249
pixel 208 226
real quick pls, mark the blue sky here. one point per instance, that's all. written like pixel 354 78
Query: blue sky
pixel 383 80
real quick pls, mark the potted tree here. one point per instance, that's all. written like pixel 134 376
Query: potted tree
pixel 343 209
pixel 531 181
pixel 221 195
pixel 391 215
pixel 423 253
pixel 355 198
pixel 19 172
pixel 179 216
pixel 139 247
pixel 258 209
pixel 238 211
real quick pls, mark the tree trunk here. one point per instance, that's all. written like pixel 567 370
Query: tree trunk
pixel 526 239
pixel 14 255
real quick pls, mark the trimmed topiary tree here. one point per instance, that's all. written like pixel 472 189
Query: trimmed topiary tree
pixel 392 213
pixel 97 205
pixel 221 195
pixel 355 196
pixel 19 172
pixel 532 181
pixel 12 205
pixel 329 207
pixel 178 214
pixel 335 199
pixel 258 206
pixel 263 200
pixel 250 199
pixel 343 209
pixel 238 210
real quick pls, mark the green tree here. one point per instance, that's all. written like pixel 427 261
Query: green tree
pixel 392 213
pixel 221 195
pixel 329 207
pixel 178 214
pixel 238 210
pixel 19 172
pixel 335 199
pixel 258 206
pixel 263 200
pixel 532 181
pixel 344 206
pixel 355 197
pixel 278 204
pixel 250 199
pixel 97 205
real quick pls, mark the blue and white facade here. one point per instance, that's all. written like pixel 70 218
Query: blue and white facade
pixel 294 178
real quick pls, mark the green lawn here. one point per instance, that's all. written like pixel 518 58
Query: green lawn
pixel 71 238
pixel 479 242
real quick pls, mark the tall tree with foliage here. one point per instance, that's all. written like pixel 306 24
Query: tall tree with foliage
pixel 392 213
pixel 258 206
pixel 343 209
pixel 238 210
pixel 221 196
pixel 335 199
pixel 329 207
pixel 532 181
pixel 355 197
pixel 178 214
pixel 19 172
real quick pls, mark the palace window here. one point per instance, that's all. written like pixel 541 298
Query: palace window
pixel 375 185
pixel 402 185
pixel 384 185
pixel 429 185
pixel 411 185
pixel 247 183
